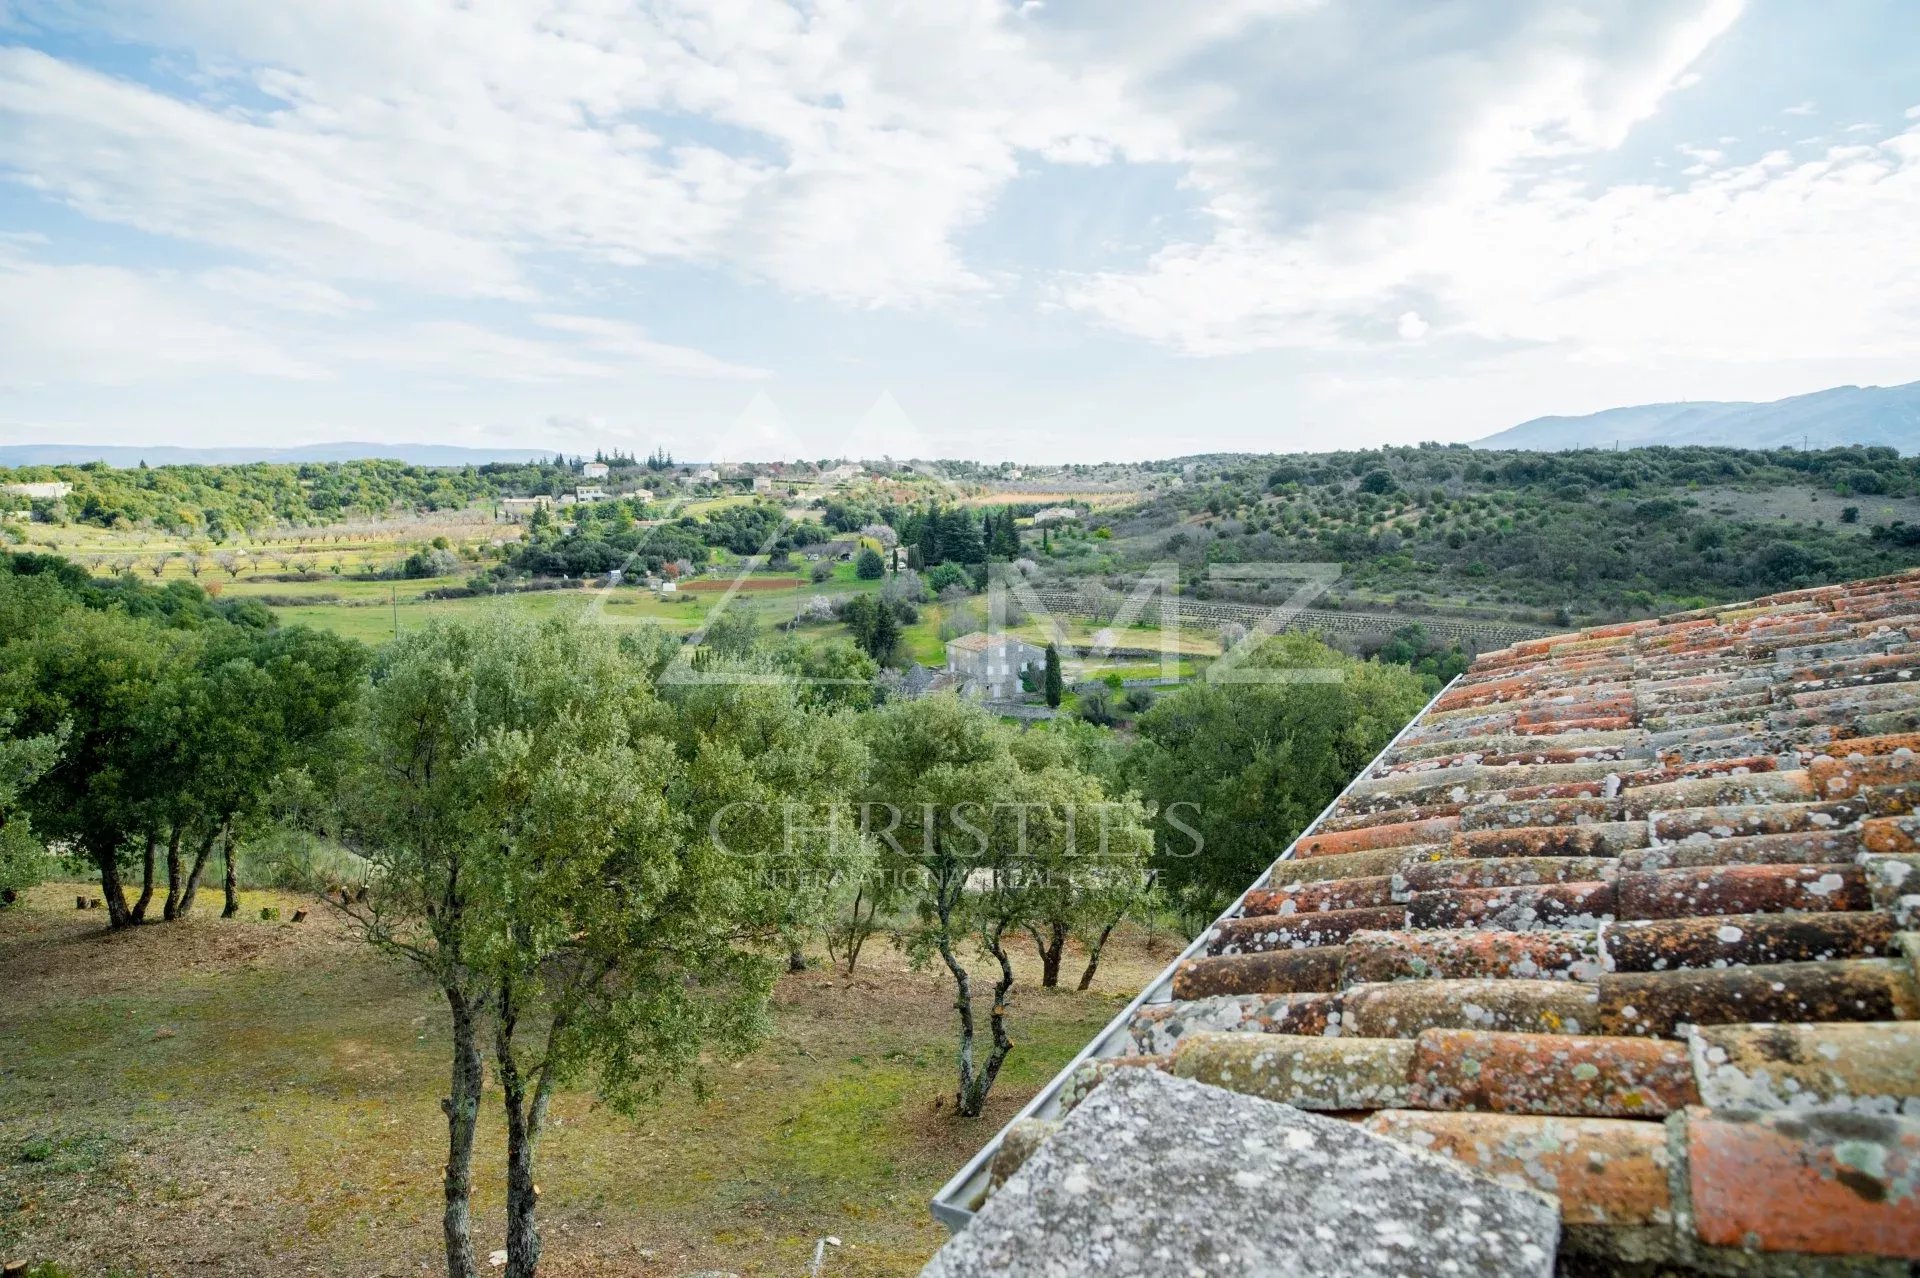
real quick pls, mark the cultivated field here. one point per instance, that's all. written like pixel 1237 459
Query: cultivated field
pixel 351 602
pixel 244 1097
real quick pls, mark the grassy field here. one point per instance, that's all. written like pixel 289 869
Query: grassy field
pixel 351 602
pixel 243 1097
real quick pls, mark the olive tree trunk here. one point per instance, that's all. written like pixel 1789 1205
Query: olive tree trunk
pixel 148 855
pixel 202 855
pixel 1051 946
pixel 462 1108
pixel 526 1106
pixel 111 889
pixel 230 882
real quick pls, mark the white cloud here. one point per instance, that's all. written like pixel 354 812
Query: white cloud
pixel 833 151
pixel 464 351
pixel 467 194
pixel 1782 258
pixel 628 341
pixel 112 326
pixel 1801 108
pixel 282 292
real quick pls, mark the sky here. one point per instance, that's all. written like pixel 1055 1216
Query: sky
pixel 1058 230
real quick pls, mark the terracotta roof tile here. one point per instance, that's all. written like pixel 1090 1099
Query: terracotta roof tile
pixel 1659 1003
pixel 1661 868
pixel 1585 1076
pixel 1803 847
pixel 1374 863
pixel 1278 972
pixel 1369 838
pixel 1402 1009
pixel 1738 889
pixel 1605 838
pixel 1161 1027
pixel 1819 1183
pixel 1310 1073
pixel 1603 1171
pixel 1327 894
pixel 1506 871
pixel 1301 931
pixel 1866 1068
pixel 1656 945
pixel 1373 957
pixel 1514 909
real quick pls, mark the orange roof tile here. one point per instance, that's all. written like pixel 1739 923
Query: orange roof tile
pixel 1604 884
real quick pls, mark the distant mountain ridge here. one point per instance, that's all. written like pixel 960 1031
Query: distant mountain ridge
pixel 1836 418
pixel 120 455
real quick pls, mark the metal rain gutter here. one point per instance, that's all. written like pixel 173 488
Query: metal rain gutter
pixel 954 1205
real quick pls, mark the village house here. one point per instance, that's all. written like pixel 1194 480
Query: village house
pixel 1055 515
pixel 594 470
pixel 589 493
pixel 519 508
pixel 993 663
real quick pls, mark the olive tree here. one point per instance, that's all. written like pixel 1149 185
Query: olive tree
pixel 93 672
pixel 1082 853
pixel 23 760
pixel 521 804
pixel 769 773
pixel 983 827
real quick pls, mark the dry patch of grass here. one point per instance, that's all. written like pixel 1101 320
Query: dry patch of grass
pixel 242 1097
pixel 1814 506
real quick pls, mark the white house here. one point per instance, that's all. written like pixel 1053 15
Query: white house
pixel 594 470
pixel 589 492
pixel 761 484
pixel 1055 515
pixel 994 662
pixel 38 492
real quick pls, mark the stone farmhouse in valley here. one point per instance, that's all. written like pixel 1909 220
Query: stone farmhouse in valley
pixel 993 662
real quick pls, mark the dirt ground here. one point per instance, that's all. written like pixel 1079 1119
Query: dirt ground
pixel 251 1097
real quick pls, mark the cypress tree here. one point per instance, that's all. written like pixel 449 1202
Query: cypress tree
pixel 1004 540
pixel 1054 685
pixel 930 537
pixel 886 633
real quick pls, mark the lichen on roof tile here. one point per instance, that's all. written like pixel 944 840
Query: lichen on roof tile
pixel 1630 916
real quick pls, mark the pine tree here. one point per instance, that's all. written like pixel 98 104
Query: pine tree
pixel 1054 685
pixel 959 539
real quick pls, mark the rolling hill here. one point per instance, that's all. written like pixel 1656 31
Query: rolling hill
pixel 1844 415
